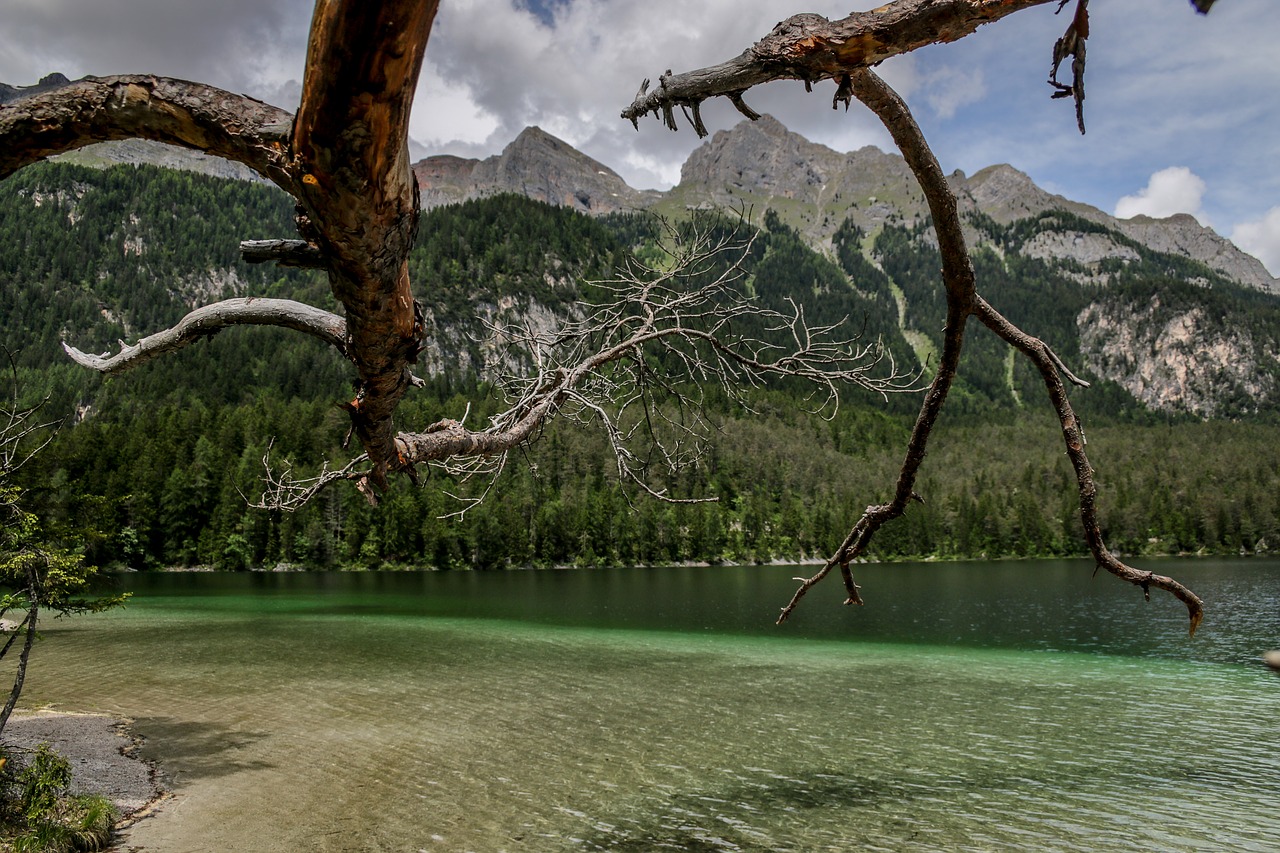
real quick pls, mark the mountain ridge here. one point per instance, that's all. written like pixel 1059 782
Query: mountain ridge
pixel 754 165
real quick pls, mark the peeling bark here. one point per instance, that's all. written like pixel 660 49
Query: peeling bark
pixel 190 115
pixel 811 48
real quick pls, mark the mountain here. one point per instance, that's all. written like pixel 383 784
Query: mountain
pixel 1152 306
pixel 1166 311
pixel 758 165
pixel 536 165
pixel 815 189
pixel 49 81
pixel 761 165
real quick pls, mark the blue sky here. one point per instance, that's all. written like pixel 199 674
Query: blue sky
pixel 1181 108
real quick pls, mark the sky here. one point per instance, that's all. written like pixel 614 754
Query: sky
pixel 1181 108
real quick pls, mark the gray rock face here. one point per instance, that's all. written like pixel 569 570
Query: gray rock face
pixel 812 186
pixel 139 152
pixel 1181 234
pixel 815 188
pixel 1172 362
pixel 535 164
pixel 1005 194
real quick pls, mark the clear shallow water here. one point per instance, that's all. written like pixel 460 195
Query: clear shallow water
pixel 966 707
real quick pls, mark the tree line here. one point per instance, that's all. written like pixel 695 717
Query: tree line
pixel 155 468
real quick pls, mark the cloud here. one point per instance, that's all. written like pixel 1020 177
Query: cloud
pixel 1173 190
pixel 947 89
pixel 242 45
pixel 574 77
pixel 1261 238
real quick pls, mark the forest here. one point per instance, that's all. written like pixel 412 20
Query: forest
pixel 157 468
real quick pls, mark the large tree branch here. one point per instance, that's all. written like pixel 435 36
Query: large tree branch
pixel 962 300
pixel 359 194
pixel 958 281
pixel 208 320
pixel 811 48
pixel 1073 436
pixel 191 115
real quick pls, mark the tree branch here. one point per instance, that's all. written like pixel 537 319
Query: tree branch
pixel 811 48
pixel 1046 362
pixel 286 253
pixel 190 115
pixel 359 194
pixel 958 281
pixel 963 300
pixel 208 320
pixel 599 368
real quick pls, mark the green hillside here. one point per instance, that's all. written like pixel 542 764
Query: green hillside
pixel 151 469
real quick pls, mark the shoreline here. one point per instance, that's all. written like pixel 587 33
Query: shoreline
pixel 103 752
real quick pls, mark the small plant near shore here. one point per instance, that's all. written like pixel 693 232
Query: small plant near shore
pixel 39 814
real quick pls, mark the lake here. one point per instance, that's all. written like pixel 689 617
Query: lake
pixel 967 706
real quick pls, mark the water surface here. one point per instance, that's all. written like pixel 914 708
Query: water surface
pixel 966 707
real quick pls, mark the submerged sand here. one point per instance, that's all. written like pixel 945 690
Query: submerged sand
pixel 103 755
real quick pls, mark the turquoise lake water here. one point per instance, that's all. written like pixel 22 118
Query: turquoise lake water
pixel 1005 706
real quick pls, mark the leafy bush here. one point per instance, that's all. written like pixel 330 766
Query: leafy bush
pixel 39 814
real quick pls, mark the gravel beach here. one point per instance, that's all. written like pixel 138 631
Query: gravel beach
pixel 102 752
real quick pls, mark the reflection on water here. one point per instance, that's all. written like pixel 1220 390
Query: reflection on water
pixel 1006 706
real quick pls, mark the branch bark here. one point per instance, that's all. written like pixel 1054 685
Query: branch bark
pixel 190 115
pixel 208 320
pixel 286 253
pixel 963 301
pixel 351 143
pixel 811 48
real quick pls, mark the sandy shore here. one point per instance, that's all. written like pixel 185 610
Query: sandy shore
pixel 103 755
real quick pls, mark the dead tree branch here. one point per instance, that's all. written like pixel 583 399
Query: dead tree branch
pixel 638 362
pixel 962 301
pixel 286 253
pixel 283 491
pixel 1073 436
pixel 811 48
pixel 208 320
pixel 190 115
pixel 18 424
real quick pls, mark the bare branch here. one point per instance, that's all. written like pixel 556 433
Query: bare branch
pixel 1046 362
pixel 283 491
pixel 17 425
pixel 811 48
pixel 603 368
pixel 963 300
pixel 191 115
pixel 286 253
pixel 209 320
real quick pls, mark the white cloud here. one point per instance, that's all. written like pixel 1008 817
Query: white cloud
pixel 947 89
pixel 570 66
pixel 1261 238
pixel 1173 190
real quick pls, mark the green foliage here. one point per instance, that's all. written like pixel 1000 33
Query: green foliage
pixel 155 472
pixel 39 814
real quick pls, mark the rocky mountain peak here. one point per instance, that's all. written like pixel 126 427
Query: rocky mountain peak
pixel 56 80
pixel 535 164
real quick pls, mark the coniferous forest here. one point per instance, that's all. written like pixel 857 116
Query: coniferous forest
pixel 156 468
